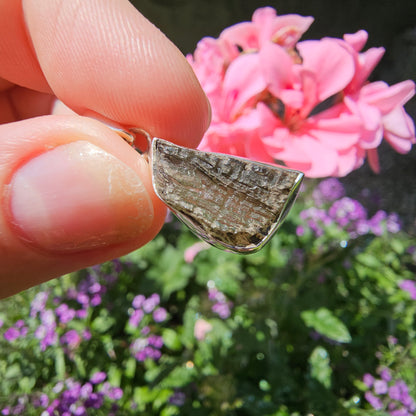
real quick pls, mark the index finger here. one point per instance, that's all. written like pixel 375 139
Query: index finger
pixel 104 59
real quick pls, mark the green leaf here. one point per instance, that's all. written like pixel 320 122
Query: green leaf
pixel 169 411
pixel 320 366
pixel 102 324
pixel 60 364
pixel 171 339
pixel 26 384
pixel 327 324
pixel 179 377
pixel 143 395
pixel 170 271
pixel 130 367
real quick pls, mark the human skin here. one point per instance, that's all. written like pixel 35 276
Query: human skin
pixel 73 193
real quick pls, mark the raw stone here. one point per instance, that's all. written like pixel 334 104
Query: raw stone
pixel 230 202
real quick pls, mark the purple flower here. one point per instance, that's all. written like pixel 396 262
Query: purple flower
pixel 394 392
pixel 316 219
pixel 143 348
pixel 376 222
pixel 95 401
pixel 177 398
pixel 96 300
pixel 79 411
pixel 113 393
pixel 95 288
pixel 391 340
pixel 64 313
pixel 45 332
pixel 81 313
pixel 11 334
pixel 86 390
pixel 145 330
pixel 328 190
pixel 222 309
pixel 98 377
pixel 368 380
pixel 380 387
pixel 409 286
pixel 19 324
pixel 373 400
pixel 136 318
pixel 400 412
pixel 393 223
pixel 156 341
pixel 71 338
pixel 385 374
pixel 86 334
pixel 41 401
pixel 349 214
pixel 138 301
pixel 215 294
pixel 150 303
pixel 300 230
pixel 160 314
pixel 83 299
pixel 38 303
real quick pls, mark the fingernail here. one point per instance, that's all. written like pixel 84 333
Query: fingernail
pixel 78 197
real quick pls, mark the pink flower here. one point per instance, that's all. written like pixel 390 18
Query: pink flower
pixel 266 26
pixel 193 250
pixel 201 328
pixel 305 104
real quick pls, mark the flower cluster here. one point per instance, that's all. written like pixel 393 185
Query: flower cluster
pixel 306 104
pixel 50 317
pixel 146 311
pixel 387 394
pixel 222 307
pixel 72 398
pixel 346 213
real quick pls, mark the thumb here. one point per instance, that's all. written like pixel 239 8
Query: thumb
pixel 74 194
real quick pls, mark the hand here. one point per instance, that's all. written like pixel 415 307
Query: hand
pixel 73 193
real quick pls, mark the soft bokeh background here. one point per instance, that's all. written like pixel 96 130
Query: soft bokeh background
pixel 391 24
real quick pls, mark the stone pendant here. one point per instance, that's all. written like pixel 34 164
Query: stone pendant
pixel 232 203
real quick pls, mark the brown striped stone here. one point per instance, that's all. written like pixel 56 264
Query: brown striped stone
pixel 232 203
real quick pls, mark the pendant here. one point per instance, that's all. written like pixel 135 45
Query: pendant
pixel 230 202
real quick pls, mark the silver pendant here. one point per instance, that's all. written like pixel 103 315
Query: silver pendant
pixel 232 203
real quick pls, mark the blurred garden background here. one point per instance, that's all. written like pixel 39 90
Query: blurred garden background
pixel 319 322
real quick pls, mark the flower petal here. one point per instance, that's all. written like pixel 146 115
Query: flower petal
pixel 385 97
pixel 277 67
pixel 242 82
pixel 244 34
pixel 289 28
pixel 356 40
pixel 399 130
pixel 332 64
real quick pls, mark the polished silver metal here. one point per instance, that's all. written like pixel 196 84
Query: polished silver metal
pixel 232 203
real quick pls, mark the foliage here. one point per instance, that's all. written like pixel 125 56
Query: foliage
pixel 305 326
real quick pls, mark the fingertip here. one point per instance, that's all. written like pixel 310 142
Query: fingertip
pixel 76 196
pixel 102 58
